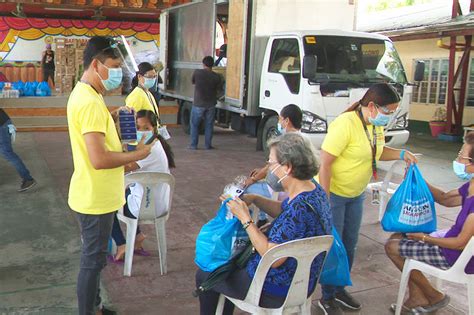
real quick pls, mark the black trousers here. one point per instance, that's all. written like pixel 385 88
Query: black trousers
pixel 235 286
pixel 48 73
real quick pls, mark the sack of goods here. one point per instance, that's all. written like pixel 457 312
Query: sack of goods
pixel 411 208
pixel 220 240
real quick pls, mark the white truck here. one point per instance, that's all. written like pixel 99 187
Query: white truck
pixel 280 52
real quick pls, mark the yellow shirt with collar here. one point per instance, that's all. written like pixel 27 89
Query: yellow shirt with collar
pixel 139 99
pixel 346 139
pixel 92 191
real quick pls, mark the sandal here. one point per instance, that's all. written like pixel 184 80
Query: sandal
pixel 111 259
pixel 141 252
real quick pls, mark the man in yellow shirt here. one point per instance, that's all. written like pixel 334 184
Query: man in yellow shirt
pixel 97 187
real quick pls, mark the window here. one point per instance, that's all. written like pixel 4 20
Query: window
pixel 470 85
pixel 432 89
pixel 285 60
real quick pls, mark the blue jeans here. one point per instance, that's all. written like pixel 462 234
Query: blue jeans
pixel 347 217
pixel 261 189
pixel 198 114
pixel 6 150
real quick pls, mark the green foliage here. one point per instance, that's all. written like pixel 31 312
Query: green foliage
pixel 381 5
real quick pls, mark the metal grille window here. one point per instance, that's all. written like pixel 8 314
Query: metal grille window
pixel 432 90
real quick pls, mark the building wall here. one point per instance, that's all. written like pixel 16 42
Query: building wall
pixel 425 49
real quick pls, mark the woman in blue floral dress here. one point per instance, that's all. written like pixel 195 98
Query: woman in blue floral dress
pixel 292 166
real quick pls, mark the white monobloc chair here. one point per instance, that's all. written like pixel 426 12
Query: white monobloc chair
pixel 454 274
pixel 147 214
pixel 297 300
pixel 385 189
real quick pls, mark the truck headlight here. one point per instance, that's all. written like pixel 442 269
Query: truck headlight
pixel 401 122
pixel 313 123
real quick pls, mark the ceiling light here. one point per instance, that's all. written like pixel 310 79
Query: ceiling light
pixel 63 9
pixel 137 13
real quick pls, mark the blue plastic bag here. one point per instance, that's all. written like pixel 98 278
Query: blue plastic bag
pixel 29 89
pixel 219 240
pixel 43 89
pixel 411 208
pixel 336 266
pixel 20 86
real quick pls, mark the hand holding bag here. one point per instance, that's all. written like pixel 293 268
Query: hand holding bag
pixel 411 208
pixel 220 240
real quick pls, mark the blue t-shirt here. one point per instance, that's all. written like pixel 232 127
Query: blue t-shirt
pixel 296 221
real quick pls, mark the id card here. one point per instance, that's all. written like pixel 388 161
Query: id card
pixel 163 131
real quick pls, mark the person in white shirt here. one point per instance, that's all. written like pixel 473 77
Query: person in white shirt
pixel 161 159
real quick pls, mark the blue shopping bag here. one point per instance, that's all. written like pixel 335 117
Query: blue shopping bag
pixel 43 89
pixel 411 208
pixel 219 240
pixel 336 266
pixel 335 270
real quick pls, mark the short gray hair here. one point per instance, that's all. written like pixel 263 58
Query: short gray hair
pixel 295 150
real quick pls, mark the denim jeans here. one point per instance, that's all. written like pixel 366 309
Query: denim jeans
pixel 95 234
pixel 261 189
pixel 347 217
pixel 6 150
pixel 197 115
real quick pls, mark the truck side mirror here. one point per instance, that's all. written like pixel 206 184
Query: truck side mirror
pixel 419 71
pixel 310 63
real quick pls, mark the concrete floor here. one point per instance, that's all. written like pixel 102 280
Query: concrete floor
pixel 39 238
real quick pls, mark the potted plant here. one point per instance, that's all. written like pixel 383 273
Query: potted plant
pixel 438 124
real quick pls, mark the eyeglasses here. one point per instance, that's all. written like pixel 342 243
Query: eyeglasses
pixel 150 77
pixel 385 110
pixel 460 157
pixel 270 162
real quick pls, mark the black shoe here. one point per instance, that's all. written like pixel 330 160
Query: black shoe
pixel 210 148
pixel 192 148
pixel 106 311
pixel 27 184
pixel 261 223
pixel 329 307
pixel 347 301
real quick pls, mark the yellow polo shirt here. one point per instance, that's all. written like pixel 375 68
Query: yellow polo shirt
pixel 139 99
pixel 92 191
pixel 347 140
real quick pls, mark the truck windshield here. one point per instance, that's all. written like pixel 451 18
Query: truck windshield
pixel 345 62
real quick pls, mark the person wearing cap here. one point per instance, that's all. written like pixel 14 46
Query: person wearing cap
pixel 97 184
pixel 47 63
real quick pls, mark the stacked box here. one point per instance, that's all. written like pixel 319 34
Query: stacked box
pixel 69 63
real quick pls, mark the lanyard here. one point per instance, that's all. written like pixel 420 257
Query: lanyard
pixel 373 143
pixel 153 104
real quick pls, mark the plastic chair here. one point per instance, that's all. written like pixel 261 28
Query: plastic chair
pixel 454 274
pixel 297 300
pixel 384 189
pixel 147 214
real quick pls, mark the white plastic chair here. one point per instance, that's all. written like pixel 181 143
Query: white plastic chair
pixel 385 189
pixel 454 274
pixel 297 300
pixel 147 214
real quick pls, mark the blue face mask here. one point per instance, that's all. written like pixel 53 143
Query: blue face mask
pixel 149 83
pixel 280 128
pixel 144 134
pixel 114 80
pixel 460 171
pixel 380 119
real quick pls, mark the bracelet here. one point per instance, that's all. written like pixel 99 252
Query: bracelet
pixel 247 224
pixel 402 154
pixel 423 239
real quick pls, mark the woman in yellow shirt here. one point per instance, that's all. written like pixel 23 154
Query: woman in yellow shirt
pixel 354 143
pixel 141 98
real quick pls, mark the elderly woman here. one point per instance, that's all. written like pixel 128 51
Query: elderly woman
pixel 442 248
pixel 292 165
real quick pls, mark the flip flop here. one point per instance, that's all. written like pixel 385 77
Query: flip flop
pixel 406 310
pixel 141 252
pixel 111 259
pixel 436 306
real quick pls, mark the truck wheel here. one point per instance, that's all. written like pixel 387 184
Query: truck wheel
pixel 186 117
pixel 270 130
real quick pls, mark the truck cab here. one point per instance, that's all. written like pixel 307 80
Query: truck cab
pixel 324 72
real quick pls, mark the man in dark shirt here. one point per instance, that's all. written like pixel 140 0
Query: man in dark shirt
pixel 47 62
pixel 206 86
pixel 7 130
